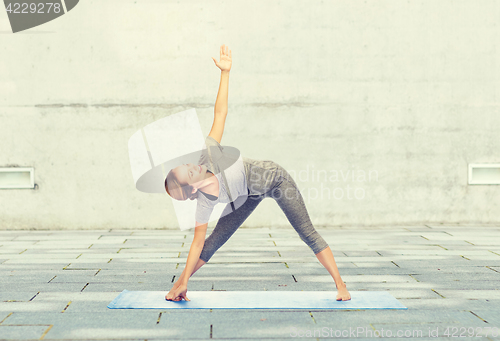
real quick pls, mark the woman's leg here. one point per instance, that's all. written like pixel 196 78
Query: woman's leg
pixel 226 226
pixel 288 197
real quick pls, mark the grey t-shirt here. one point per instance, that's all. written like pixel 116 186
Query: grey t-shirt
pixel 212 157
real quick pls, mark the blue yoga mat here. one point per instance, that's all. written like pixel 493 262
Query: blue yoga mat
pixel 256 300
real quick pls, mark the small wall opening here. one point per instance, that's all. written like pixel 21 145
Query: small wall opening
pixel 484 174
pixel 13 177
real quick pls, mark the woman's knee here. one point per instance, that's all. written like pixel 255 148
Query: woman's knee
pixel 318 242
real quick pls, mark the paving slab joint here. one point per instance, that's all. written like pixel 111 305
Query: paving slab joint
pixel 6 317
pixel 31 299
pixel 438 293
pixel 66 307
pixel 479 317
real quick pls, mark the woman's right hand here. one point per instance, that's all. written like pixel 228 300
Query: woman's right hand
pixel 174 287
pixel 178 293
pixel 225 59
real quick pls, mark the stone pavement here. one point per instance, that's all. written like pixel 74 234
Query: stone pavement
pixel 55 285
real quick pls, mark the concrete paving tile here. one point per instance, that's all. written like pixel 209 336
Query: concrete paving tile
pixel 397 246
pixel 138 251
pixel 243 278
pixel 197 321
pixel 465 285
pixel 48 275
pixel 306 255
pixel 475 294
pixel 260 324
pixel 380 286
pixel 146 286
pixel 110 317
pixel 360 278
pixel 40 266
pixel 15 296
pixel 457 270
pixel 120 286
pixel 114 324
pixel 71 286
pixel 23 332
pixel 416 264
pixel 16 284
pixel 142 255
pixel 200 275
pixel 63 244
pixel 57 237
pixel 221 259
pixel 140 243
pixel 438 251
pixel 352 253
pixel 75 296
pixel 149 271
pixel 97 266
pixel 317 265
pixel 116 279
pixel 237 255
pixel 23 272
pixel 6 253
pixel 27 256
pixel 236 266
pixel 262 285
pixel 373 271
pixel 446 277
pixel 412 293
pixel 139 262
pixel 37 261
pixel 142 246
pixel 439 304
pixel 492 263
pixel 88 307
pixel 32 306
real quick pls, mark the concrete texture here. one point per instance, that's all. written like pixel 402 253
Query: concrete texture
pixel 445 296
pixel 375 108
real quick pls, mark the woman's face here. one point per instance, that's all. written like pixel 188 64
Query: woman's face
pixel 190 174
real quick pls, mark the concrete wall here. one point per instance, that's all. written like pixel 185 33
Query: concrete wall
pixel 406 90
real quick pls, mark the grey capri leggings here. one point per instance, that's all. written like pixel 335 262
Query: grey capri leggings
pixel 287 195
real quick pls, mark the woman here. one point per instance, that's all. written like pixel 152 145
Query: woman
pixel 249 182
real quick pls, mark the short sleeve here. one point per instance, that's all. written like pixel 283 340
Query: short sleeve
pixel 215 148
pixel 216 152
pixel 211 142
pixel 203 210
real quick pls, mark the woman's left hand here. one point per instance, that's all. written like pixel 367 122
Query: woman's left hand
pixel 177 294
pixel 225 59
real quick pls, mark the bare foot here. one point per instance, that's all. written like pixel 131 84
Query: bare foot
pixel 342 293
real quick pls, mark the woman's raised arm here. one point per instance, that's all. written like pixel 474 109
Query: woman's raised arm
pixel 220 109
